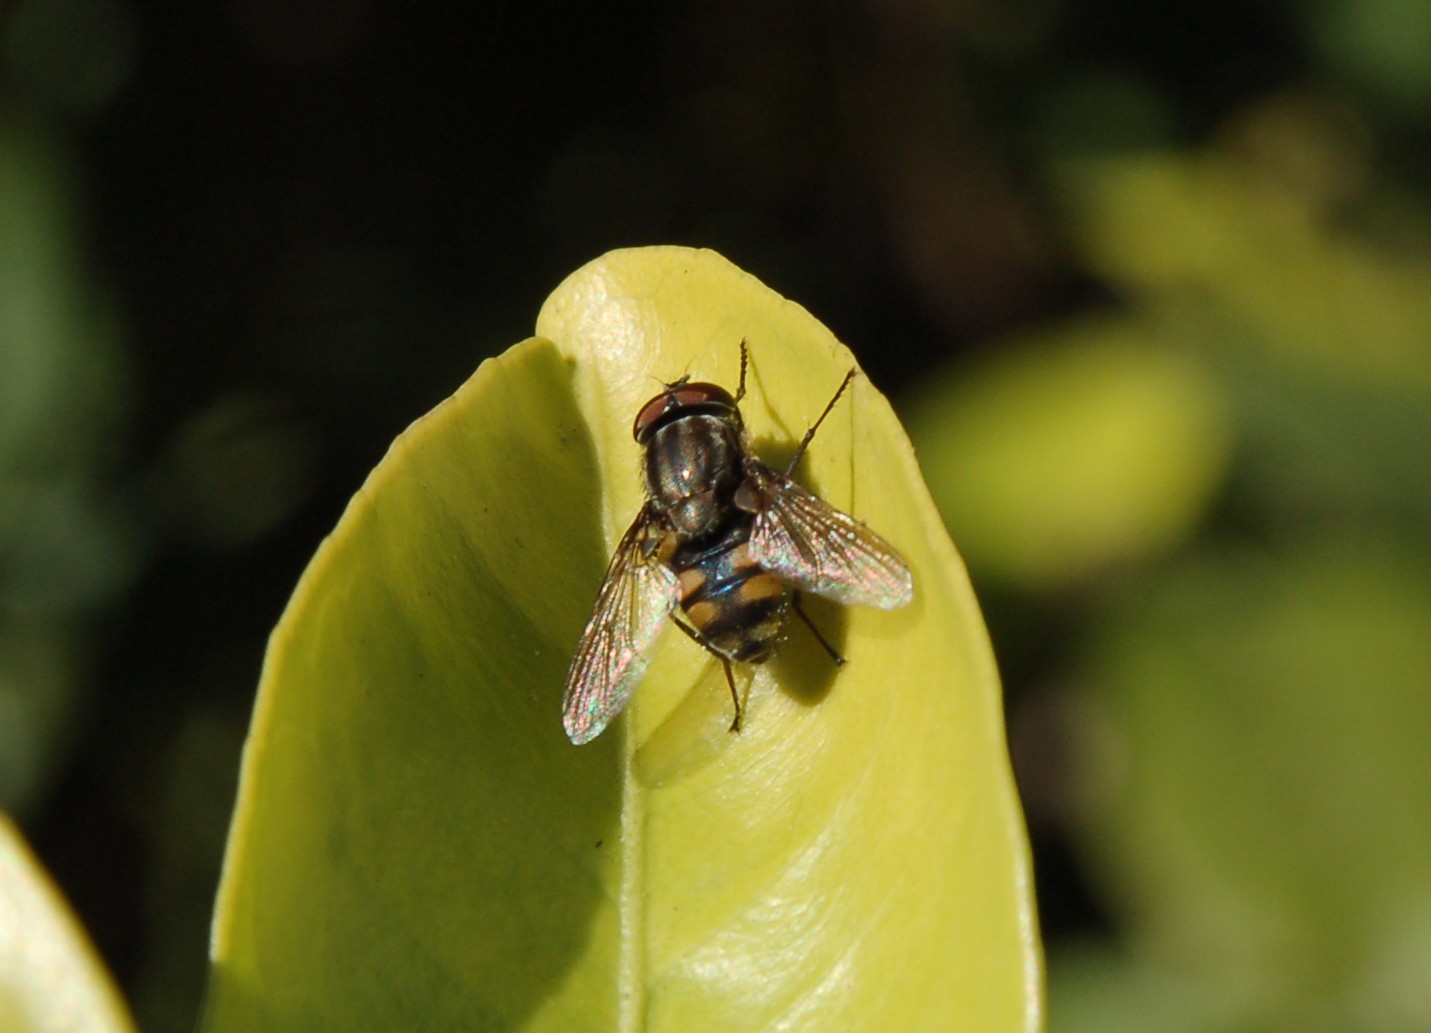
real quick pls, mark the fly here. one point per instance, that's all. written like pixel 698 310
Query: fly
pixel 729 542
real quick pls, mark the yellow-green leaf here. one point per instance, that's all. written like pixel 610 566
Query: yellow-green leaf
pixel 418 846
pixel 1207 232
pixel 1257 780
pixel 1095 444
pixel 50 979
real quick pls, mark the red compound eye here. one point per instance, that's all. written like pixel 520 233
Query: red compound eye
pixel 677 400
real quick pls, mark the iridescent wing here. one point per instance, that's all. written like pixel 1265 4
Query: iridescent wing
pixel 636 597
pixel 815 547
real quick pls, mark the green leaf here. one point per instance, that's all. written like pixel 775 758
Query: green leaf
pixel 416 843
pixel 1093 445
pixel 50 979
pixel 1192 236
pixel 1256 758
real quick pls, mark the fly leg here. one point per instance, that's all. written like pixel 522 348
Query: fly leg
pixel 734 696
pixel 700 640
pixel 795 598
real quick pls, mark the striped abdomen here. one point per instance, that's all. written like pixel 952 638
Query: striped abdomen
pixel 737 605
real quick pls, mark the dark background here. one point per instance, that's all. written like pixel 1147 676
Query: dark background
pixel 250 242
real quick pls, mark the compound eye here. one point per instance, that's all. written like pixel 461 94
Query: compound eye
pixel 678 397
pixel 649 414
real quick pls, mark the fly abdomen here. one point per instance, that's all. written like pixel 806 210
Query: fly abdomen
pixel 737 605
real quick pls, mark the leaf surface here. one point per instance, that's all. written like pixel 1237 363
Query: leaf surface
pixel 417 845
pixel 51 981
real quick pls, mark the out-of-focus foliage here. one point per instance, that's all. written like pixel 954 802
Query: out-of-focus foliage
pixel 1321 333
pixel 1248 714
pixel 64 547
pixel 1097 445
pixel 1254 757
pixel 1152 280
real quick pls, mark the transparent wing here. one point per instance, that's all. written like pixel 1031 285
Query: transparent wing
pixel 636 597
pixel 817 548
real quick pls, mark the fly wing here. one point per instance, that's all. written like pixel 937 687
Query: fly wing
pixel 819 549
pixel 636 596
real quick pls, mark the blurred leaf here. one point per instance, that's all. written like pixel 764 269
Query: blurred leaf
pixel 1321 340
pixel 1061 455
pixel 1261 781
pixel 1173 230
pixel 63 388
pixel 50 979
pixel 41 667
pixel 1346 449
pixel 63 548
pixel 233 472
pixel 1381 45
pixel 416 844
pixel 1098 990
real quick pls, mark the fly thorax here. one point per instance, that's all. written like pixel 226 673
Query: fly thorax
pixel 692 471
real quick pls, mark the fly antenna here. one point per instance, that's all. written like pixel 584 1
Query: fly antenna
pixel 744 361
pixel 810 434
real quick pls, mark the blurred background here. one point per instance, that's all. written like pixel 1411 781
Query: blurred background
pixel 1150 284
